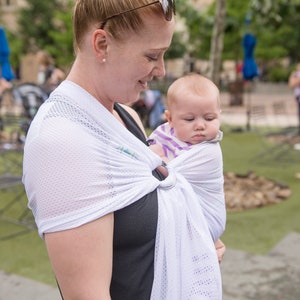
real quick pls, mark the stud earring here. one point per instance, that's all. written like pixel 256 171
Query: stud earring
pixel 103 60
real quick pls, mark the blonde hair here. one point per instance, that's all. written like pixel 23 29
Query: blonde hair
pixel 190 83
pixel 89 13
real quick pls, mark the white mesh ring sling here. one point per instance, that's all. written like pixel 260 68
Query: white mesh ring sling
pixel 186 264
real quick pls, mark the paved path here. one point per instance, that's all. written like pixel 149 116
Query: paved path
pixel 13 287
pixel 275 276
pixel 271 109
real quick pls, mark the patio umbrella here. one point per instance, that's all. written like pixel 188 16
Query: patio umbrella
pixel 249 68
pixel 6 70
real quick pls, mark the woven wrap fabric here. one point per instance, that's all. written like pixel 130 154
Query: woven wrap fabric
pixel 202 166
pixel 106 168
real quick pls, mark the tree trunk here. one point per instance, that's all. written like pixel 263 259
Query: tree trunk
pixel 217 42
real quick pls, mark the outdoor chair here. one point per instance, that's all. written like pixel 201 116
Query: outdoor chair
pixel 283 118
pixel 13 202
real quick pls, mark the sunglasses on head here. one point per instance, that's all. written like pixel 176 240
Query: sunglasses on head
pixel 168 7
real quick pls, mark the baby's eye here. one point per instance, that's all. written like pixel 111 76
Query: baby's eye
pixel 189 119
pixel 210 118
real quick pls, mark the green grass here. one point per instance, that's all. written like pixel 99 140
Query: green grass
pixel 26 255
pixel 255 231
pixel 258 230
pixel 24 252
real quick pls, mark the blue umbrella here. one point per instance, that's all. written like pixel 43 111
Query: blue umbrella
pixel 250 68
pixel 6 70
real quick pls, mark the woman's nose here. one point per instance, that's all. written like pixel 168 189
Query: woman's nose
pixel 159 70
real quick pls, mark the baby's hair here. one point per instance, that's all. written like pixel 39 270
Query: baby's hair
pixel 190 83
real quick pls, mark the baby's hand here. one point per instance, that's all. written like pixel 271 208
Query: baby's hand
pixel 220 248
pixel 157 149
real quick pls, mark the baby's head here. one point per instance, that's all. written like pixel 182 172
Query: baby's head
pixel 193 108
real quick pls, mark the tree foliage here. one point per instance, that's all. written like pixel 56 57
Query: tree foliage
pixel 192 20
pixel 178 47
pixel 62 47
pixel 276 24
pixel 273 22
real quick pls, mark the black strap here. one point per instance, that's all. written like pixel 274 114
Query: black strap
pixel 130 123
pixel 62 297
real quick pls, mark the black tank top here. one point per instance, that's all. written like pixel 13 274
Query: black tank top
pixel 134 238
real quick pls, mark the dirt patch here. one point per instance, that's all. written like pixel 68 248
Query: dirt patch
pixel 251 191
pixel 285 138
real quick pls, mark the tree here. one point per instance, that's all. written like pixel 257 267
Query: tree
pixel 217 41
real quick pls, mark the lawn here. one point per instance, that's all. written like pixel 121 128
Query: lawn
pixel 258 230
pixel 255 231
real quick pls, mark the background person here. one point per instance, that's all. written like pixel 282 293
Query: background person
pixel 190 139
pixel 4 86
pixel 294 83
pixel 155 108
pixel 49 76
pixel 99 201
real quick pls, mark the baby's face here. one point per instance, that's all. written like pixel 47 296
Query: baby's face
pixel 195 118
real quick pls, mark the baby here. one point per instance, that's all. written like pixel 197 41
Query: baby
pixel 189 142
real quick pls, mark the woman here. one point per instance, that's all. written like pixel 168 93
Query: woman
pixel 91 181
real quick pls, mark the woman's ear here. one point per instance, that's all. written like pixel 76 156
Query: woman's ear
pixel 100 44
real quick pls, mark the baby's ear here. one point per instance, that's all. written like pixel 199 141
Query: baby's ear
pixel 168 116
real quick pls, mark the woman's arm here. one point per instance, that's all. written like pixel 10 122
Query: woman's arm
pixel 82 259
pixel 294 80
